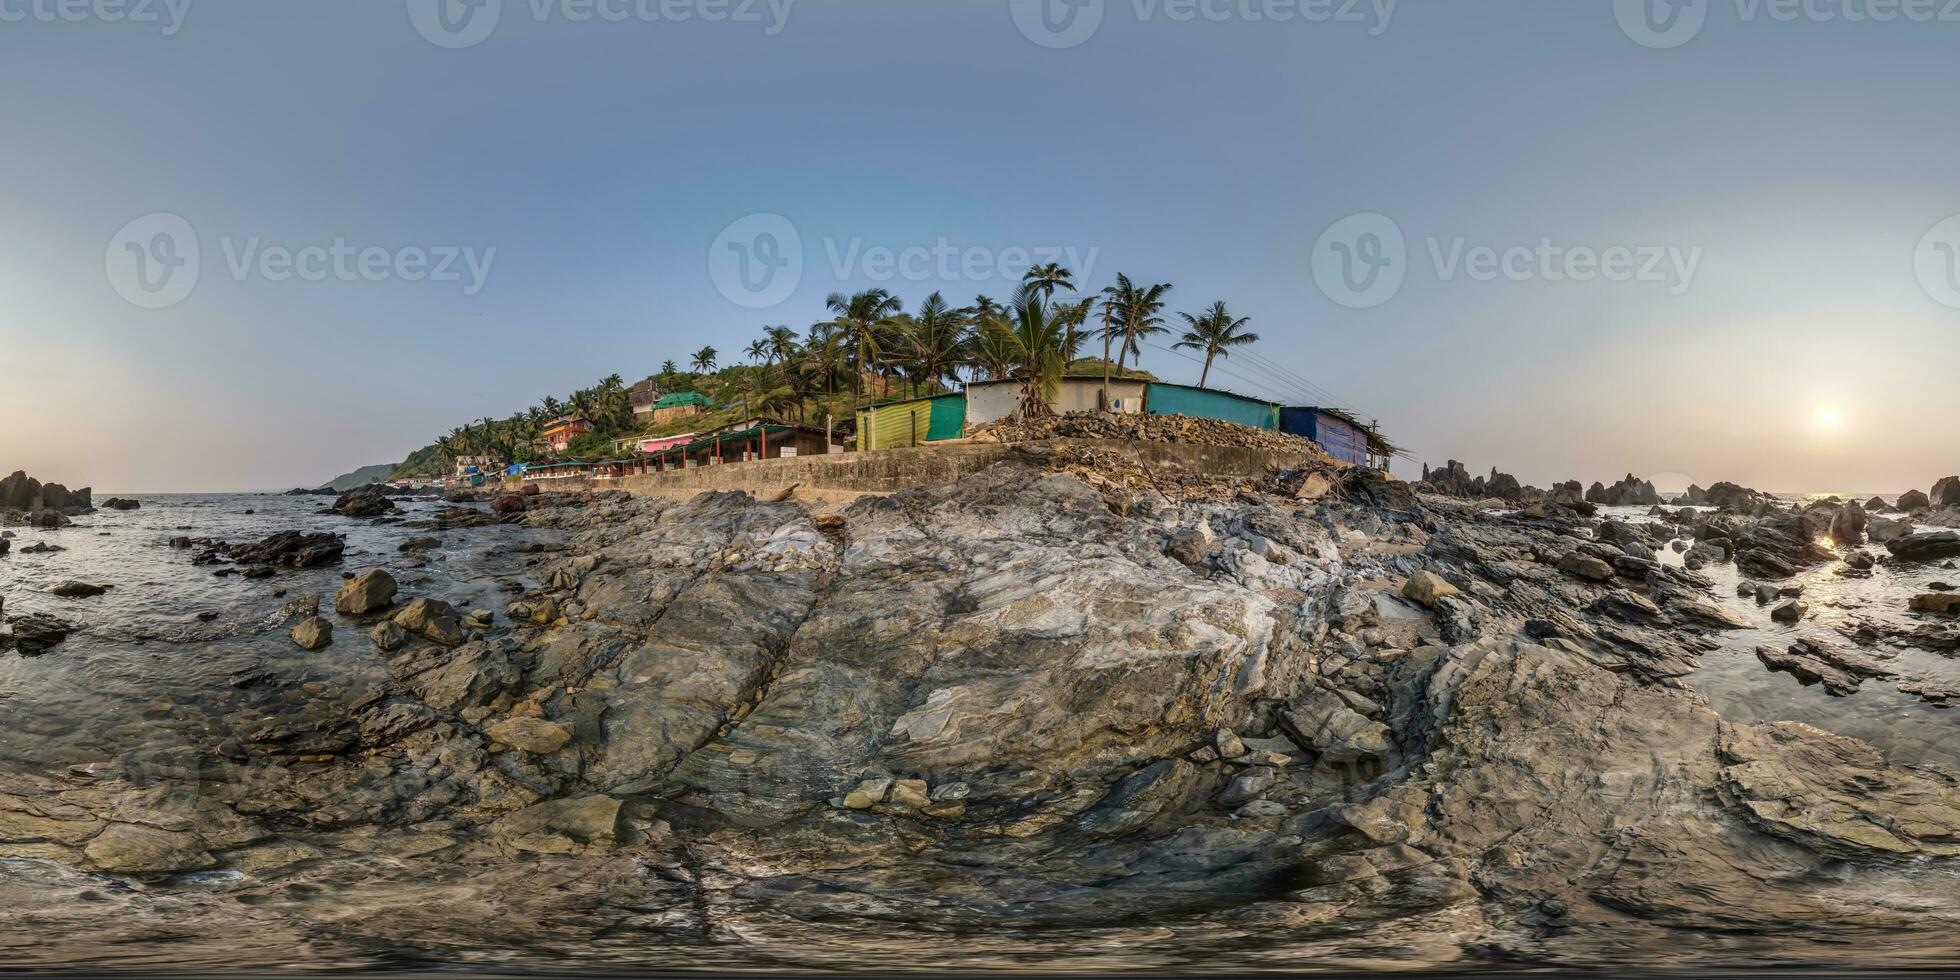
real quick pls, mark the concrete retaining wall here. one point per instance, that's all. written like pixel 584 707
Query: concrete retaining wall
pixel 849 475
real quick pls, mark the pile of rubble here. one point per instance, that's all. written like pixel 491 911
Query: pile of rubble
pixel 1144 428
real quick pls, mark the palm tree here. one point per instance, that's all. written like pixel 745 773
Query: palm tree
pixel 704 360
pixel 1215 332
pixel 861 317
pixel 1048 278
pixel 781 342
pixel 758 350
pixel 933 344
pixel 992 350
pixel 1141 315
pixel 1041 349
pixel 1131 313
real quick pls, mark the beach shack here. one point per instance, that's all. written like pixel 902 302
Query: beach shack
pixel 680 405
pixel 912 422
pixel 1161 398
pixel 991 401
pixel 1334 431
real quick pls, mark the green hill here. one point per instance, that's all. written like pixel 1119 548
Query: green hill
pixel 361 477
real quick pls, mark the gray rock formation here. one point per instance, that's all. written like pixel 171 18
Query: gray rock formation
pixel 967 715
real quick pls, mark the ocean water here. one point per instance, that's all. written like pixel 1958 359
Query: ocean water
pixel 140 673
pixel 1738 686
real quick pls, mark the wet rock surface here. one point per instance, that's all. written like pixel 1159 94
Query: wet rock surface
pixel 1017 720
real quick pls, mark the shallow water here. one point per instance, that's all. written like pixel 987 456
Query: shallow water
pixel 143 666
pixel 1738 686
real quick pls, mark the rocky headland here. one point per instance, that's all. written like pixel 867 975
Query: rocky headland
pixel 1029 718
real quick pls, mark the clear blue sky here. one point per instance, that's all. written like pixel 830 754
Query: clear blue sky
pixel 1801 163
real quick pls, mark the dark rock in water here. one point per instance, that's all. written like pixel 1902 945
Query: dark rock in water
pixel 41 548
pixel 1730 496
pixel 1848 527
pixel 1816 662
pixel 1790 612
pixel 118 503
pixel 1913 500
pixel 37 633
pixel 78 590
pixel 6 545
pixel 1877 505
pixel 509 503
pixel 1884 531
pixel 1946 493
pixel 369 501
pixel 21 492
pixel 288 549
pixel 1926 546
pixel 420 544
pixel 1629 492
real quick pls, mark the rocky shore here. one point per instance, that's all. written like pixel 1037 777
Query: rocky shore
pixel 1030 718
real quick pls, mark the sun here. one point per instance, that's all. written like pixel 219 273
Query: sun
pixel 1827 418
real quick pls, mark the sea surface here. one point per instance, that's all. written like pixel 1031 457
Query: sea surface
pixel 138 675
pixel 1741 689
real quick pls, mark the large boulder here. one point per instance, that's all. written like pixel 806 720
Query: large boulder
pixel 1946 492
pixel 365 593
pixel 288 549
pixel 313 634
pixel 369 501
pixel 1913 500
pixel 433 620
pixel 1926 546
pixel 1848 527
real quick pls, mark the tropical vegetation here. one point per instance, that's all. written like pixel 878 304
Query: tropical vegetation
pixel 868 349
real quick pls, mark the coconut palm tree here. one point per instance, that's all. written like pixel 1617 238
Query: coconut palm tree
pixel 991 350
pixel 1048 278
pixel 704 360
pixel 862 317
pixel 1040 350
pixel 781 342
pixel 1215 332
pixel 1130 313
pixel 933 344
pixel 1141 315
pixel 758 351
